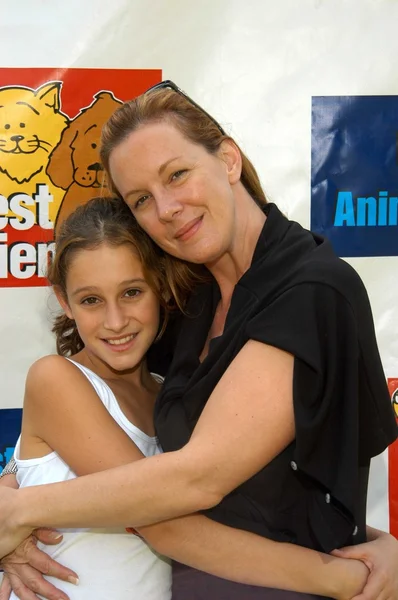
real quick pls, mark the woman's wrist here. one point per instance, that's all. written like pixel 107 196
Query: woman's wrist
pixel 351 579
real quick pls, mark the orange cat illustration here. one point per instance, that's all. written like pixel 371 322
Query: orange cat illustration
pixel 31 125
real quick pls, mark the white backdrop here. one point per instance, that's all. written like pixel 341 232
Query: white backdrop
pixel 255 66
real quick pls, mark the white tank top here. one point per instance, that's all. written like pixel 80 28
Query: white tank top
pixel 111 563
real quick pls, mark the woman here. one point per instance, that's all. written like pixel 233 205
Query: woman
pixel 259 414
pixel 109 276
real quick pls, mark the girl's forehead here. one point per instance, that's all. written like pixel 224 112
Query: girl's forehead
pixel 105 259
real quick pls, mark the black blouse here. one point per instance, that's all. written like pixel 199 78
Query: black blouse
pixel 297 296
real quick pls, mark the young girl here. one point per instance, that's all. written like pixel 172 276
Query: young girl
pixel 111 304
pixel 85 407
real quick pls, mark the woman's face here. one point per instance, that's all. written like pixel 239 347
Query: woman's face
pixel 181 195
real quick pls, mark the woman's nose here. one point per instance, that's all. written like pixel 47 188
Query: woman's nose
pixel 168 206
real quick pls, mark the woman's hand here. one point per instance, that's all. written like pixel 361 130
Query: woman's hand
pixel 381 558
pixel 24 569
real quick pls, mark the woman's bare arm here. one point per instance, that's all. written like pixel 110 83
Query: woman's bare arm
pixel 195 540
pixel 247 558
pixel 215 461
pixel 10 481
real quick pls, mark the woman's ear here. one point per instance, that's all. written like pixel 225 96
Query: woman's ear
pixel 63 301
pixel 230 154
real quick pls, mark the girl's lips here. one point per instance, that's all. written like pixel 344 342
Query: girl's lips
pixel 120 347
pixel 186 232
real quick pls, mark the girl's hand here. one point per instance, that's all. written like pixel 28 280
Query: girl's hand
pixel 381 558
pixel 24 569
pixel 11 532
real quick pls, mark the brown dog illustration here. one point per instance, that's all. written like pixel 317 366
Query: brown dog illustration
pixel 75 165
pixel 31 124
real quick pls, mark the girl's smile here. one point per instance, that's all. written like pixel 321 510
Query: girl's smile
pixel 115 310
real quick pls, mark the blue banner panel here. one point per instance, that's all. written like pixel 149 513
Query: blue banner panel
pixel 10 427
pixel 354 173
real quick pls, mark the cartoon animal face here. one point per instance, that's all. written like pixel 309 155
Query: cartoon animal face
pixel 88 170
pixel 76 159
pixel 31 125
pixel 394 399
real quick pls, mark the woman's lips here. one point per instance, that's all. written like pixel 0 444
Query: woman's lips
pixel 188 230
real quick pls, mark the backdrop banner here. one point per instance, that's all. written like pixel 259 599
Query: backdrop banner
pixel 10 426
pixel 393 462
pixel 354 174
pixel 307 89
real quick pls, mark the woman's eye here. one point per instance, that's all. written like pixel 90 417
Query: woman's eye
pixel 178 174
pixel 133 293
pixel 90 301
pixel 141 201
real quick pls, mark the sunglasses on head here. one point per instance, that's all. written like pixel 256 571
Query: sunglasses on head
pixel 170 85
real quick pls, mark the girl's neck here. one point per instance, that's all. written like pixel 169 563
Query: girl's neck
pixel 135 390
pixel 138 377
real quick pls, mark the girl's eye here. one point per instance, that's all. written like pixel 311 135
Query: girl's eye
pixel 178 174
pixel 90 301
pixel 141 201
pixel 133 293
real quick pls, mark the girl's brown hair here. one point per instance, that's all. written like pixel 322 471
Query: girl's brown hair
pixel 110 221
pixel 169 105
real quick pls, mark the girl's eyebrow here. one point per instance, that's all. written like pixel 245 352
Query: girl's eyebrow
pixel 93 288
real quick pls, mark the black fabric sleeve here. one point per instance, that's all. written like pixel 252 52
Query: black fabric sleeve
pixel 161 353
pixel 316 324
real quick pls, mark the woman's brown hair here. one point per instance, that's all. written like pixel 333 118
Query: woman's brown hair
pixel 169 105
pixel 110 221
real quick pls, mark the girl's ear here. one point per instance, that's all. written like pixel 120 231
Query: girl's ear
pixel 230 154
pixel 63 301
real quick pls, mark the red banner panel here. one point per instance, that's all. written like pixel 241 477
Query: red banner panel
pixel 50 127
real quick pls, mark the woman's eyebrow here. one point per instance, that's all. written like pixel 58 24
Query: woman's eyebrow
pixel 166 164
pixel 161 169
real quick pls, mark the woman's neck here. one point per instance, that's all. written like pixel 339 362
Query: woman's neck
pixel 229 268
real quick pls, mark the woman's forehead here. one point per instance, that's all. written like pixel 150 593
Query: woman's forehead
pixel 152 135
pixel 149 148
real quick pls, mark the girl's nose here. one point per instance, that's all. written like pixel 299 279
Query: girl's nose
pixel 115 318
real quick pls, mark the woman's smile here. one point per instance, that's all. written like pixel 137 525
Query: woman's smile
pixel 187 231
pixel 171 185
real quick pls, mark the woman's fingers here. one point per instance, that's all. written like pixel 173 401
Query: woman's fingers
pixel 381 558
pixel 27 564
pixel 40 561
pixel 28 583
pixel 5 588
pixel 48 536
pixel 377 588
pixel 357 552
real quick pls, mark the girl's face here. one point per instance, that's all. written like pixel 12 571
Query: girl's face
pixel 115 310
pixel 181 195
